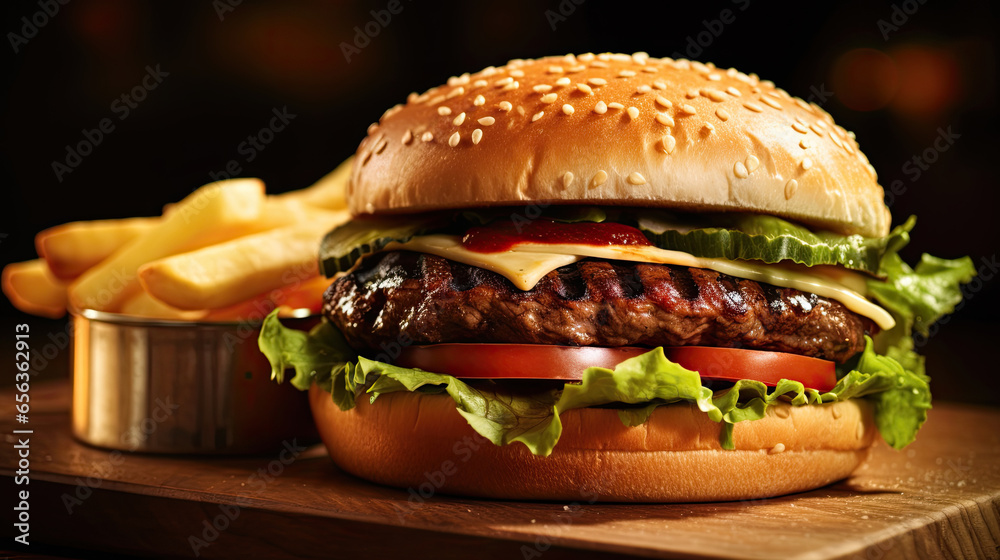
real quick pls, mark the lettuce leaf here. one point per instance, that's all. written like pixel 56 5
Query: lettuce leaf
pixel 901 397
pixel 917 298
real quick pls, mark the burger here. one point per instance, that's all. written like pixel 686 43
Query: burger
pixel 614 277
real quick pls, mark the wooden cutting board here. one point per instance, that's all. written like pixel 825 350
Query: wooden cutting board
pixel 939 498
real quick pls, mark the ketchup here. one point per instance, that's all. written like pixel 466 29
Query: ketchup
pixel 502 236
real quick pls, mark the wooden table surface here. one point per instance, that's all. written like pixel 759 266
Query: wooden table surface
pixel 939 498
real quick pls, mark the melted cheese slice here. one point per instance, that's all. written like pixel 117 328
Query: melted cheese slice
pixel 525 264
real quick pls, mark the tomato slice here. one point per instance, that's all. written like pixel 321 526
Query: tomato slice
pixel 733 364
pixel 567 363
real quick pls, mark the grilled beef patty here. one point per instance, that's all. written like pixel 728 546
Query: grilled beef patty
pixel 426 299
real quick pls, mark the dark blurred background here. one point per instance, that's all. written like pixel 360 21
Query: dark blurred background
pixel 900 74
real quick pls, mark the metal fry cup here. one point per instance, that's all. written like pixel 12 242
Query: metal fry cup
pixel 164 386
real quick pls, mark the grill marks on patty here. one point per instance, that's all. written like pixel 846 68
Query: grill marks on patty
pixel 589 303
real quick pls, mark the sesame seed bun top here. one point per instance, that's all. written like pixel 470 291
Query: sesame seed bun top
pixel 615 129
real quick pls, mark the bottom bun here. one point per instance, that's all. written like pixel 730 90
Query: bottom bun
pixel 421 442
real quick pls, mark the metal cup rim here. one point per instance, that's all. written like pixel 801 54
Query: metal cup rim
pixel 134 320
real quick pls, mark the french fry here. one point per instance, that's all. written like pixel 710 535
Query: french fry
pixel 71 249
pixel 212 214
pixel 228 273
pixel 145 305
pixel 330 192
pixel 32 288
pixel 281 211
pixel 307 294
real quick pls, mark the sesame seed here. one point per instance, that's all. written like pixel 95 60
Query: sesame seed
pixel 541 88
pixel 800 128
pixel 479 101
pixel 626 74
pixel 752 163
pixel 520 110
pixel 600 108
pixel 479 83
pixel 575 69
pixel 486 121
pixel 722 114
pixel 733 91
pixel 597 82
pixel 412 98
pixel 407 137
pixel 802 104
pixel 456 92
pixel 537 116
pixel 564 81
pixel 664 119
pixel 660 100
pixel 740 170
pixel 444 111
pixel 713 94
pixel 372 128
pixel 511 86
pixel 568 109
pixel 636 178
pixel 585 57
pixel 771 102
pixel 477 135
pixel 380 146
pixel 753 107
pixel 615 105
pixel 659 85
pixel 549 97
pixel 805 144
pixel 691 93
pixel 710 127
pixel 567 179
pixel 505 106
pixel 517 73
pixel 816 129
pixel 585 89
pixel 850 134
pixel 669 143
pixel 504 81
pixel 392 111
pixel 454 139
pixel 643 89
pixel 714 77
pixel 598 64
pixel 790 187
pixel 555 70
pixel 685 108
pixel 650 69
pixel 633 113
pixel 427 136
pixel 459 119
pixel 807 163
pixel 599 178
